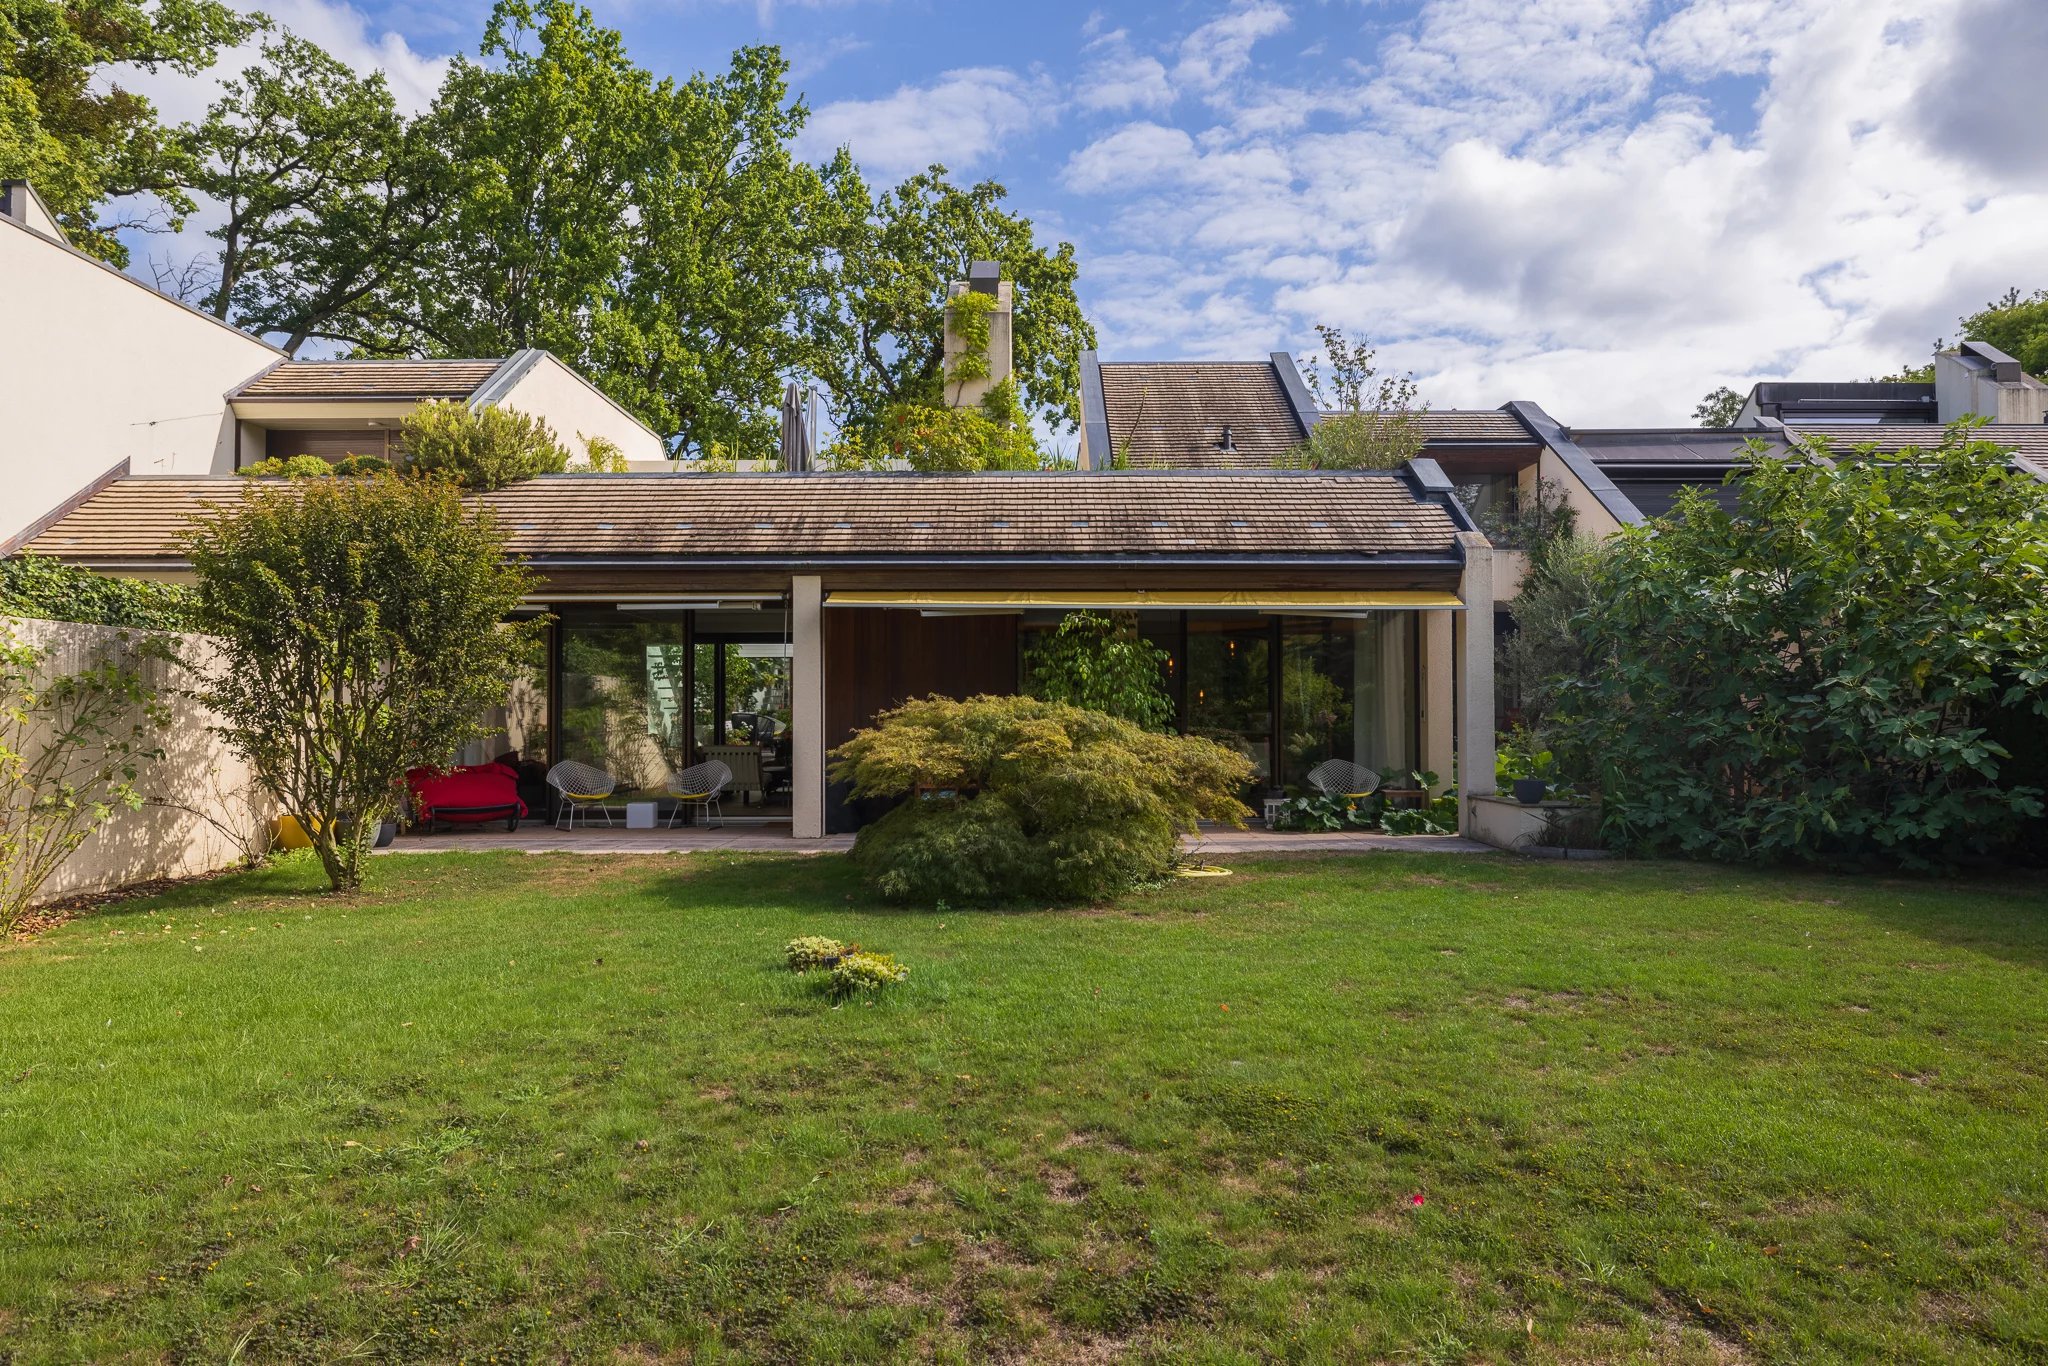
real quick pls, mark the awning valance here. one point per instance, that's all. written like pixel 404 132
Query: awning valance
pixel 1140 599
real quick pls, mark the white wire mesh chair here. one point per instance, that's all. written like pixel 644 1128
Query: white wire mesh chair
pixel 699 786
pixel 1342 778
pixel 582 787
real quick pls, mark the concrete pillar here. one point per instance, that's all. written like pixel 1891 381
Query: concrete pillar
pixel 807 707
pixel 1475 669
pixel 1439 694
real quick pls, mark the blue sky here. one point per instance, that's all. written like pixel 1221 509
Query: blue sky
pixel 1606 206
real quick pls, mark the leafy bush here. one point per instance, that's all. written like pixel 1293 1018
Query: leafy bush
pixel 1098 660
pixel 1809 677
pixel 1545 656
pixel 362 632
pixel 1322 814
pixel 480 448
pixel 38 586
pixel 357 465
pixel 814 951
pixel 1440 817
pixel 930 439
pixel 289 467
pixel 602 455
pixel 866 973
pixel 1044 800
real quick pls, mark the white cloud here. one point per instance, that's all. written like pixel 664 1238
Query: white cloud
pixel 1122 81
pixel 342 29
pixel 1221 48
pixel 959 120
pixel 1536 199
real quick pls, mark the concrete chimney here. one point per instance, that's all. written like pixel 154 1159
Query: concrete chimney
pixel 1978 379
pixel 984 278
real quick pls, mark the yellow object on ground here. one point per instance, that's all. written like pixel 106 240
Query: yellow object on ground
pixel 292 835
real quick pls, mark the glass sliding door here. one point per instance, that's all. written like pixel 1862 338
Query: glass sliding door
pixel 624 705
pixel 1347 691
pixel 1229 687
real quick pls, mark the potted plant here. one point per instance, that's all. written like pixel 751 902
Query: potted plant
pixel 1524 769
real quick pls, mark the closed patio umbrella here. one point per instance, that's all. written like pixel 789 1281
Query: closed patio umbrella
pixel 796 431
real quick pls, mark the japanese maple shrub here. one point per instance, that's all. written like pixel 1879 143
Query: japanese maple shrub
pixel 1014 798
pixel 1813 675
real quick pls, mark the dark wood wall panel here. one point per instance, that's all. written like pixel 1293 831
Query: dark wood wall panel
pixel 878 657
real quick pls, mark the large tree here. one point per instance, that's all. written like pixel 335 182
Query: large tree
pixel 361 631
pixel 659 236
pixel 70 127
pixel 296 141
pixel 879 332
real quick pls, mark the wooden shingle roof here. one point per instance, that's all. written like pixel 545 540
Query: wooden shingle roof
pixel 1171 414
pixel 1490 425
pixel 370 379
pixel 770 518
pixel 2027 442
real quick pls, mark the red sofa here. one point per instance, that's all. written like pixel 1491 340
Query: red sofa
pixel 467 795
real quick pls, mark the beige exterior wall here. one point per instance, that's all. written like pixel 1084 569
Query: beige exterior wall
pixel 197 773
pixel 1594 520
pixel 577 411
pixel 97 368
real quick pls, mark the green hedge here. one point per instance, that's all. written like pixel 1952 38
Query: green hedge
pixel 40 587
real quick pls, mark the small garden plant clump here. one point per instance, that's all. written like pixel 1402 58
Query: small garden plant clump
pixel 808 951
pixel 864 974
pixel 850 970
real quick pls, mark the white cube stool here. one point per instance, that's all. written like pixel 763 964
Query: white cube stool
pixel 639 815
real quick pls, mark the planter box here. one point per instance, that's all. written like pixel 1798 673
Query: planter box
pixel 1519 828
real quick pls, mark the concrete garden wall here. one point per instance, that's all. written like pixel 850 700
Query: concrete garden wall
pixel 197 772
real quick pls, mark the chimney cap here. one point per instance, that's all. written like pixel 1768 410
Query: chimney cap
pixel 2004 368
pixel 984 276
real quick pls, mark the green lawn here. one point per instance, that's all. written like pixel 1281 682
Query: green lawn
pixel 522 1108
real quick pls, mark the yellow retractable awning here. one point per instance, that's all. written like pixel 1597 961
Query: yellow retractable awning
pixel 1136 599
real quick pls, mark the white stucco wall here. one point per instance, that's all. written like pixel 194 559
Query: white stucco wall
pixel 203 807
pixel 95 368
pixel 577 411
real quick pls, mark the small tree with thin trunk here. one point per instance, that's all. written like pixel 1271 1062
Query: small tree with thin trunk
pixel 362 629
pixel 1369 421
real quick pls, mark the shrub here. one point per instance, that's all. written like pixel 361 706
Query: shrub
pixel 480 448
pixel 1046 800
pixel 1440 817
pixel 866 973
pixel 1370 421
pixel 602 455
pixel 358 465
pixel 1322 814
pixel 289 467
pixel 1099 661
pixel 71 749
pixel 993 435
pixel 1810 677
pixel 814 951
pixel 362 632
pixel 38 586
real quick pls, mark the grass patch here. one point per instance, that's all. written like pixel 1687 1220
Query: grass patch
pixel 506 1107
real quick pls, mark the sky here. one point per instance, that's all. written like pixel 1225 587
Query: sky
pixel 1607 207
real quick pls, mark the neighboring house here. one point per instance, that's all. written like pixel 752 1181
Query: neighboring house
pixel 333 408
pixel 101 375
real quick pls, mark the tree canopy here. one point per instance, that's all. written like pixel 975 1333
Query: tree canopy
pixel 84 140
pixel 662 236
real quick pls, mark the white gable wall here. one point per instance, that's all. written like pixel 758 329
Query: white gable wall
pixel 577 410
pixel 96 368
